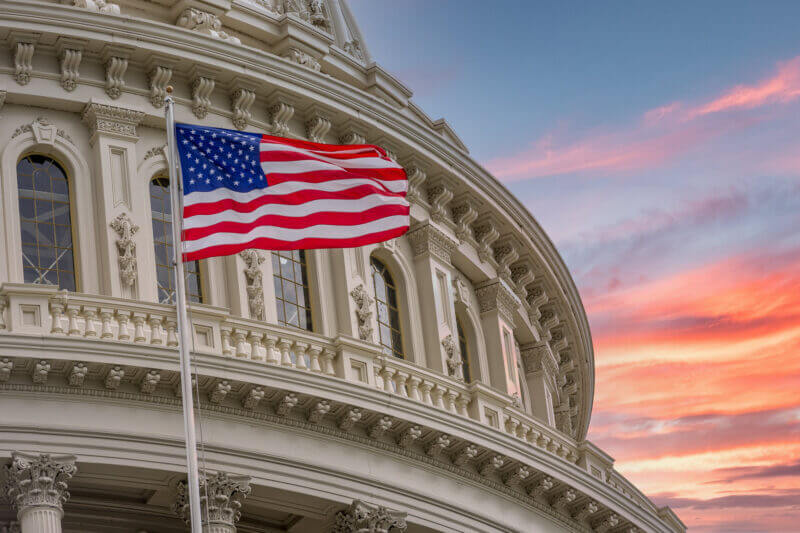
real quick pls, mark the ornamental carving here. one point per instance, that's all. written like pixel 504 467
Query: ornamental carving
pixel 241 101
pixel 155 152
pixel 202 87
pixel 126 247
pixel 454 362
pixel 205 23
pixel 97 6
pixel 485 234
pixel 363 303
pixel 439 196
pixel 23 63
pixel 430 240
pixel 119 121
pixel 416 177
pixel 282 112
pixel 158 79
pixel 6 366
pixel 255 286
pixel 464 214
pixel 221 497
pixel 311 11
pixel 43 131
pixel 38 480
pixel 353 48
pixel 70 62
pixel 296 55
pixel 10 527
pixel 496 296
pixel 115 76
pixel 461 291
pixel 317 127
pixel 364 518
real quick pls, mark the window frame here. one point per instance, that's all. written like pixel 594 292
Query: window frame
pixel 73 221
pixel 401 353
pixel 307 288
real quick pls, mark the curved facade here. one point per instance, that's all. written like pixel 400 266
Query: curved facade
pixel 441 381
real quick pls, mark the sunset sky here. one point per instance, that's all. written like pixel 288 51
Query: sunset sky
pixel 659 147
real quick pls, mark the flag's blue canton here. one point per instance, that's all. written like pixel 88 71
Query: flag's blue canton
pixel 212 158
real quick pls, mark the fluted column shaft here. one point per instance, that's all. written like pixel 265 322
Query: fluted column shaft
pixel 40 520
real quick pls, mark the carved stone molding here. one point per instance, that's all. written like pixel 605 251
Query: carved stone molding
pixel 311 11
pixel 221 497
pixel 522 276
pixel 126 247
pixel 38 481
pixel 427 239
pixel 539 358
pixel 116 67
pixel 353 49
pixel 439 195
pixel 416 178
pixel 155 152
pixel 486 234
pixel 112 120
pixel 3 94
pixel 23 62
pixel 363 303
pixel 365 518
pixel 495 295
pixel 281 113
pixel 241 101
pixel 205 23
pixel 317 126
pixel 10 527
pixel 70 62
pixel 505 253
pixel 255 286
pixel 158 79
pixel 97 6
pixel 461 290
pixel 202 87
pixel 43 131
pixel 464 214
pixel 295 55
pixel 6 366
pixel 453 354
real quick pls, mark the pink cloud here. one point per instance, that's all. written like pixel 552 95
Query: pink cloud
pixel 663 133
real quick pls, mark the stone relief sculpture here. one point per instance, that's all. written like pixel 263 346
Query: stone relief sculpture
pixel 126 247
pixel 255 285
pixel 365 518
pixel 363 311
pixel 454 362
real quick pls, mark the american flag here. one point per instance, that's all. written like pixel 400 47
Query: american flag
pixel 248 190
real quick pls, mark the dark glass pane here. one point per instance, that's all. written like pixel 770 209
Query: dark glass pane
pixel 303 317
pixel 397 342
pixel 67 281
pixel 380 287
pixel 30 255
pixel 61 188
pixel 24 169
pixel 276 264
pixel 278 286
pixel 65 260
pixel 395 319
pixel 281 312
pixel 383 312
pixel 51 278
pixel 41 181
pixel 61 213
pixel 45 234
pixel 30 275
pixel 301 296
pixel 47 256
pixel 391 295
pixel 291 314
pixel 63 236
pixel 386 334
pixel 26 209
pixel 289 293
pixel 28 232
pixel 286 268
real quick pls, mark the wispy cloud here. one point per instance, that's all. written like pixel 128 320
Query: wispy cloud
pixel 660 135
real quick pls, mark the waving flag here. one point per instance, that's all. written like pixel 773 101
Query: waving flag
pixel 247 190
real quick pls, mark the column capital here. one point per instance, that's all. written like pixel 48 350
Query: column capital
pixel 428 239
pixel 221 496
pixel 366 518
pixel 495 295
pixel 109 119
pixel 38 480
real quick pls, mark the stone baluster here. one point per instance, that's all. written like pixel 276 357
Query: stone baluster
pixel 156 332
pixel 72 312
pixel 37 488
pixel 123 317
pixel 240 336
pixel 285 347
pixel 400 379
pixel 225 334
pixel 273 355
pixel 138 328
pixel 413 388
pixel 461 404
pixel 426 392
pixel 300 355
pixel 386 374
pixel 437 393
pixel 106 315
pixel 450 400
pixel 255 346
pixel 89 315
pixel 313 356
pixel 172 331
pixel 57 306
pixel 327 362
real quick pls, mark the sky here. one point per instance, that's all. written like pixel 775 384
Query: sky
pixel 658 144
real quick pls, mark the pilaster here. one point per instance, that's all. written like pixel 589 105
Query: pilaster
pixel 497 304
pixel 541 370
pixel 37 489
pixel 432 248
pixel 113 136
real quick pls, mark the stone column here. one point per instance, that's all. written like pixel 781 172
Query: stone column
pixel 432 250
pixel 221 497
pixel 541 371
pixel 497 303
pixel 37 488
pixel 363 517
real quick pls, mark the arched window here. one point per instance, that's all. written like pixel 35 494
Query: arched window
pixel 290 275
pixel 388 314
pixel 162 239
pixel 46 222
pixel 463 347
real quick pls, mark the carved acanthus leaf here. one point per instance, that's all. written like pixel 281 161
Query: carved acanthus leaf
pixel 205 23
pixel 303 59
pixel 255 286
pixel 363 303
pixel 365 518
pixel 126 247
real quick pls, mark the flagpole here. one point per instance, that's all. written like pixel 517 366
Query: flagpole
pixel 176 192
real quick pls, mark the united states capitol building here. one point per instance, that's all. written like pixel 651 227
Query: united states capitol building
pixel 439 382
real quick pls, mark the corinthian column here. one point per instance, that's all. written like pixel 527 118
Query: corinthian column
pixel 221 497
pixel 37 488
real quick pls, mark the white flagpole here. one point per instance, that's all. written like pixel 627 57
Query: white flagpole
pixel 176 195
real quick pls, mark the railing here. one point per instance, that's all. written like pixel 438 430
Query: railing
pixel 44 311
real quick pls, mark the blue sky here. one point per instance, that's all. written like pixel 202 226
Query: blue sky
pixel 659 146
